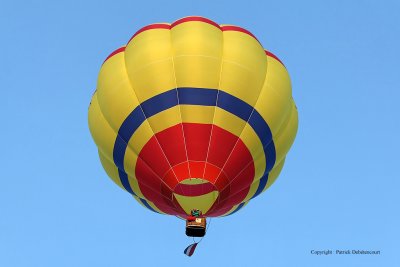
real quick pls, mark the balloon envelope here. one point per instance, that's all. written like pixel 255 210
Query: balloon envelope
pixel 193 115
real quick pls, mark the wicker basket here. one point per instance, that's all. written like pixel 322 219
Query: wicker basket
pixel 196 227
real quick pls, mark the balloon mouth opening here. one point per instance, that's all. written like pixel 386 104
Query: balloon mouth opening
pixel 203 178
pixel 194 187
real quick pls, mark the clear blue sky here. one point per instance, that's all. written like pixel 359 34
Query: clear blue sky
pixel 340 185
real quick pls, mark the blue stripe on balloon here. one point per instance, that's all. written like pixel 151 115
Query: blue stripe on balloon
pixel 234 105
pixel 193 96
pixel 147 205
pixel 261 185
pixel 260 127
pixel 135 119
pixel 119 152
pixel 123 176
pixel 125 182
pixel 159 103
pixel 238 208
pixel 197 96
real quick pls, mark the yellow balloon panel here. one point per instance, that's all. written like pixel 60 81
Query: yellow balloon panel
pixel 101 131
pixel 197 49
pixel 149 63
pixel 285 137
pixel 253 143
pixel 198 114
pixel 115 94
pixel 110 168
pixel 274 103
pixel 244 66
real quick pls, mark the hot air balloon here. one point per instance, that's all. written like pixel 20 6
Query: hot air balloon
pixel 193 118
